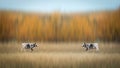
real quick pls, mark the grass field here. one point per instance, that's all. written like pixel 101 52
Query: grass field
pixel 60 55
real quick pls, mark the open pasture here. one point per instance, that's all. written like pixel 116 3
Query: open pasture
pixel 59 55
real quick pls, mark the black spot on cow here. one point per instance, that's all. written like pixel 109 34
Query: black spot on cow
pixel 91 46
pixel 28 45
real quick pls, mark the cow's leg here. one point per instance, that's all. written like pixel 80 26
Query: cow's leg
pixel 31 49
pixel 87 49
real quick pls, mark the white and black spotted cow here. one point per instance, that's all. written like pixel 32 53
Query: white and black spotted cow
pixel 29 46
pixel 89 46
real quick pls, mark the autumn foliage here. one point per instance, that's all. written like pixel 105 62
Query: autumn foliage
pixel 94 26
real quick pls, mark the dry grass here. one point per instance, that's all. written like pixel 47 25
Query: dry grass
pixel 61 55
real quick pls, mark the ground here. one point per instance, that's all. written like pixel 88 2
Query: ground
pixel 59 55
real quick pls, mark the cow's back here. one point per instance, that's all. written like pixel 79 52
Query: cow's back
pixel 25 45
pixel 96 46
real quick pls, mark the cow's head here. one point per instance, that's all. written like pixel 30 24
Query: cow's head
pixel 84 44
pixel 35 45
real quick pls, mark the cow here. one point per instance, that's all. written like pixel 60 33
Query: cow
pixel 89 46
pixel 29 46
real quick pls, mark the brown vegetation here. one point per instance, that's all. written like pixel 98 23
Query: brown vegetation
pixel 60 27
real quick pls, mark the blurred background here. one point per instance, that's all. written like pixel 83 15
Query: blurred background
pixel 60 21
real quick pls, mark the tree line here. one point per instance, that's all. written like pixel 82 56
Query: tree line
pixel 57 27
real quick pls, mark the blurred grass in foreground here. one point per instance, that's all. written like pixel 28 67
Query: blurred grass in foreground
pixel 61 55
